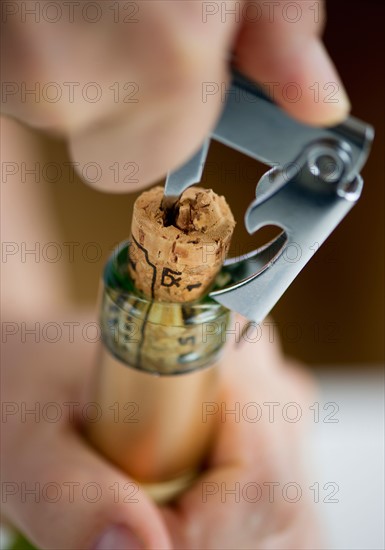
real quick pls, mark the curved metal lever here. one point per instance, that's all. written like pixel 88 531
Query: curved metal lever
pixel 308 208
pixel 254 125
pixel 307 197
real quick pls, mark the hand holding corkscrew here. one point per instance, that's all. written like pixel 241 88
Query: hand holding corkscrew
pixel 313 184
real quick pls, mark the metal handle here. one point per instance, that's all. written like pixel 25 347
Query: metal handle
pixel 313 185
pixel 308 207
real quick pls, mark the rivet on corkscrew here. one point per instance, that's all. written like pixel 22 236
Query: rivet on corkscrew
pixel 313 184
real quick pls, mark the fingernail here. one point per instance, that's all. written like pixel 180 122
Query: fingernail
pixel 118 537
pixel 325 72
pixel 321 97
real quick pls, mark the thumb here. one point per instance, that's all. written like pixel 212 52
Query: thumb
pixel 281 49
pixel 68 497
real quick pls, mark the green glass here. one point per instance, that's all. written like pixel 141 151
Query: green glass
pixel 159 337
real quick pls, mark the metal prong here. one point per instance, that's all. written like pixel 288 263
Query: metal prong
pixel 168 203
pixel 179 180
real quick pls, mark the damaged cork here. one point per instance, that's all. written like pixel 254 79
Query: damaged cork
pixel 178 261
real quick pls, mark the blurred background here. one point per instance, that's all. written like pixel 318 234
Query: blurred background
pixel 333 313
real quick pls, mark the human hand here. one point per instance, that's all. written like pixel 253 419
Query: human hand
pixel 240 500
pixel 48 458
pixel 56 489
pixel 168 54
pixel 167 51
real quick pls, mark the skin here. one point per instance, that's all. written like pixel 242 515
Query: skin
pixel 168 54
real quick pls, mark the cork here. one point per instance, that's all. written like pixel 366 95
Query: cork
pixel 177 260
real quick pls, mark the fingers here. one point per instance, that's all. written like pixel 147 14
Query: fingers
pixel 126 89
pixel 175 54
pixel 56 489
pixel 139 110
pixel 234 508
pixel 281 49
pixel 261 392
pixel 258 449
pixel 62 495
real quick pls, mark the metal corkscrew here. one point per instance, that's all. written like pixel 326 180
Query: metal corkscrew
pixel 313 183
